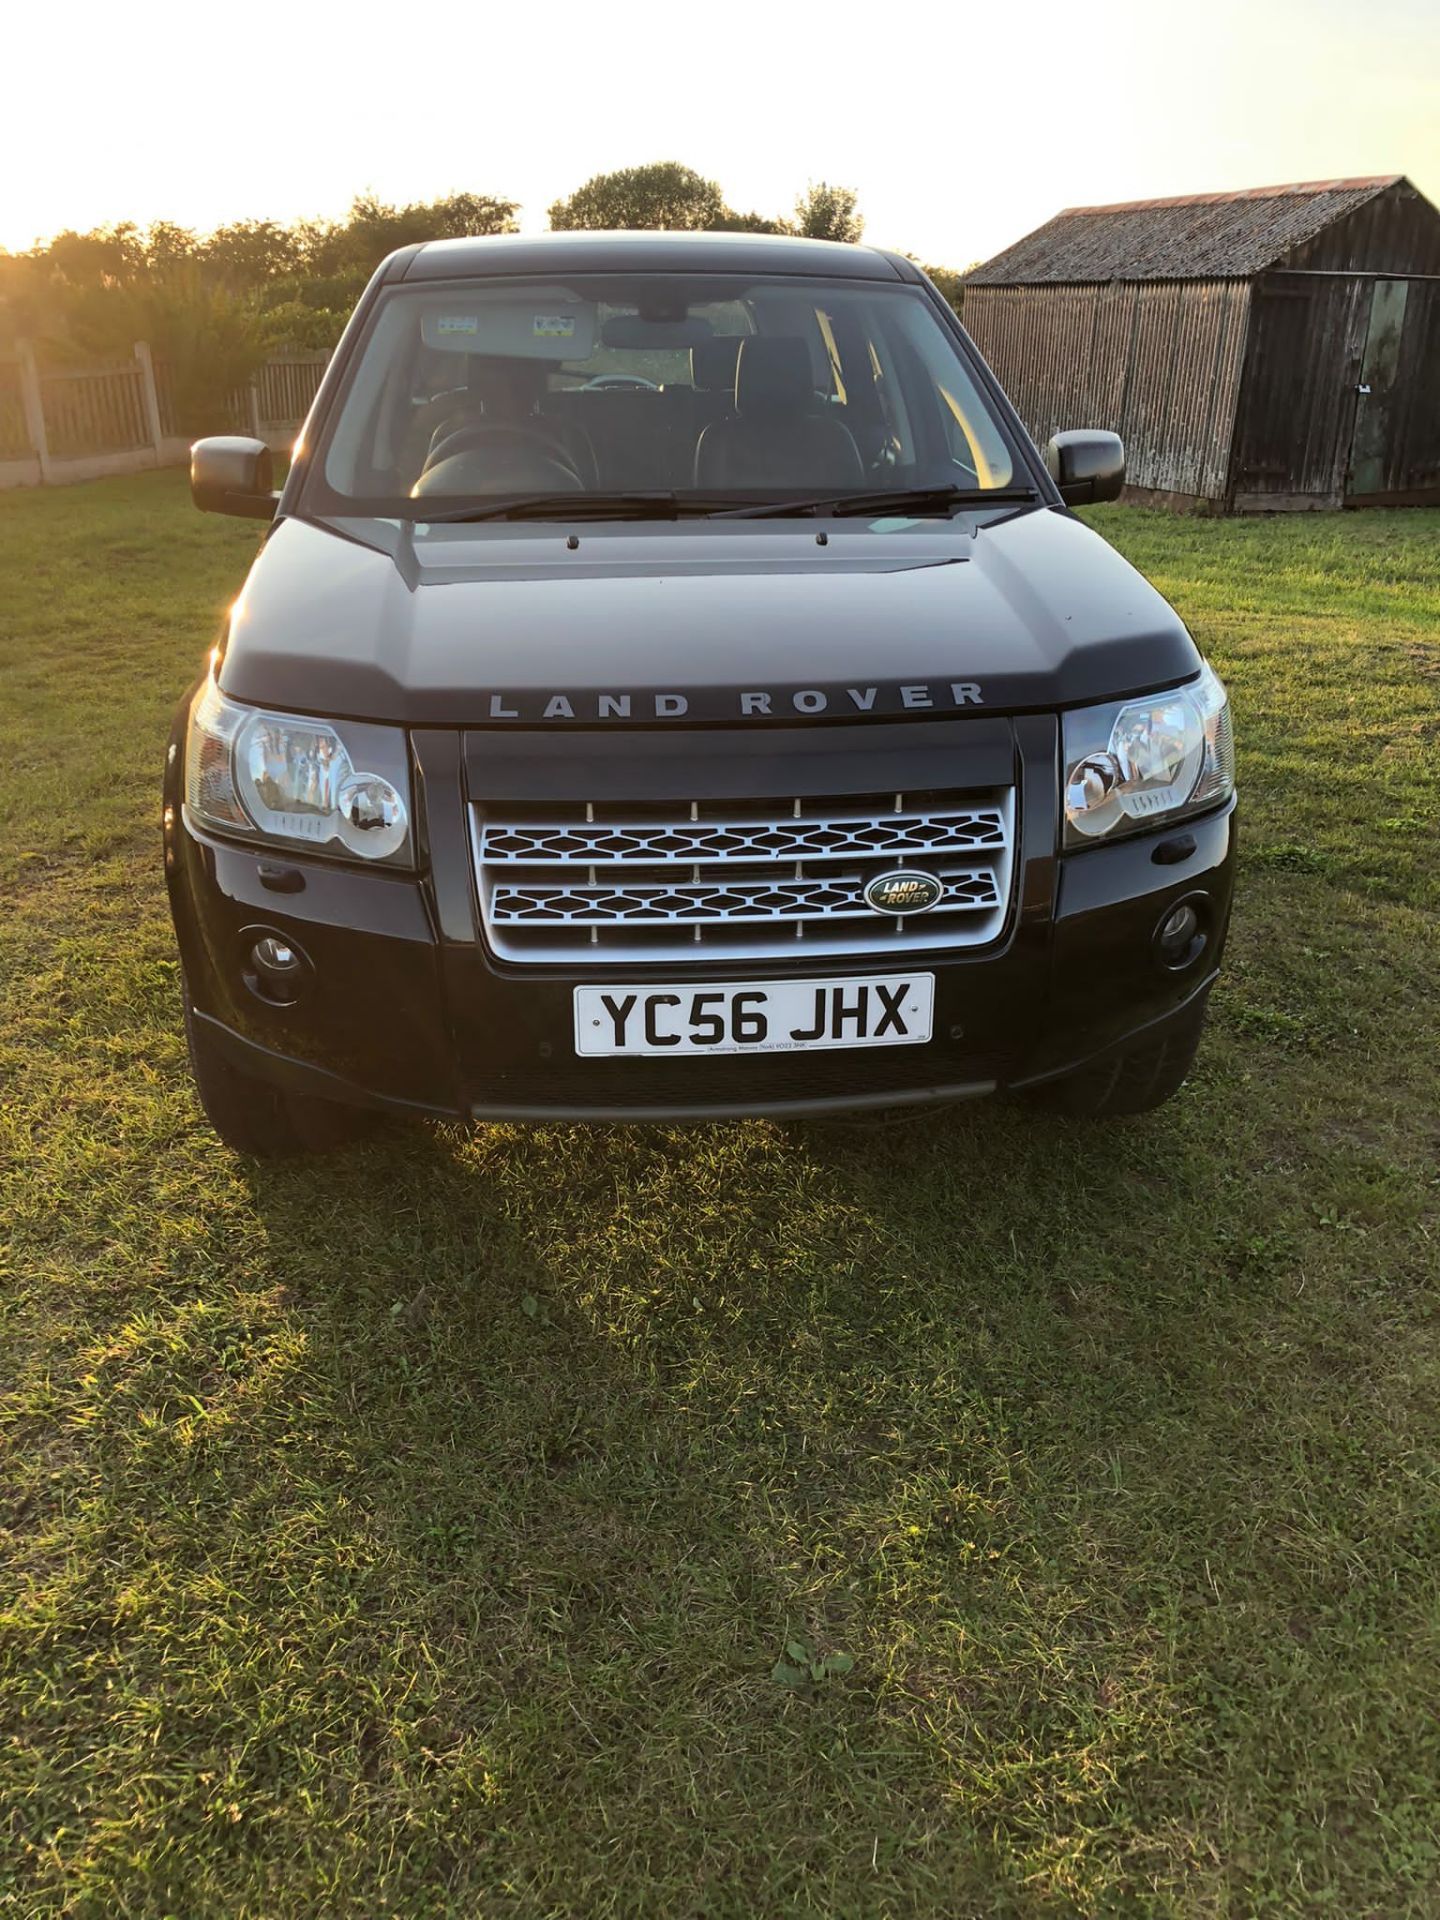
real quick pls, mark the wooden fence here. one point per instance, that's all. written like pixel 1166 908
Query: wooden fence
pixel 94 410
pixel 285 386
pixel 14 440
pixel 236 418
pixel 60 423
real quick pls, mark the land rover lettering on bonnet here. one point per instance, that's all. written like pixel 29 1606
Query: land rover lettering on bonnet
pixel 540 709
pixel 673 686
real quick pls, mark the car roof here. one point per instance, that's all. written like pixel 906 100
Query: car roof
pixel 646 252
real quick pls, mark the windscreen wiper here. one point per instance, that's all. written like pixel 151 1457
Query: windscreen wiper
pixel 912 500
pixel 665 504
pixel 562 506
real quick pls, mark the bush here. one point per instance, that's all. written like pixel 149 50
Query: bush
pixel 210 340
pixel 213 306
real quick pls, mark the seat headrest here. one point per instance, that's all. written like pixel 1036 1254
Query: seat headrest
pixel 712 363
pixel 774 376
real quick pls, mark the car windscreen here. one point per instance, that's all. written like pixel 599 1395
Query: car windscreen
pixel 693 386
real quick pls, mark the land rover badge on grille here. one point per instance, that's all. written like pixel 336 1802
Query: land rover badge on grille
pixel 903 892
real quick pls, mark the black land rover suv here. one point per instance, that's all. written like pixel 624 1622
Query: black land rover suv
pixel 673 686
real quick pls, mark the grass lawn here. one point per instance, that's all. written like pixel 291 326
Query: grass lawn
pixel 418 1532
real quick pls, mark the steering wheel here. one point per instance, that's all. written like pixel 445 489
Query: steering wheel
pixel 469 473
pixel 536 438
pixel 619 383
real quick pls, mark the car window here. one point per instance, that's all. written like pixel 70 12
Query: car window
pixel 948 402
pixel 765 388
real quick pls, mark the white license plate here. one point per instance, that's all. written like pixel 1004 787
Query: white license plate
pixel 755 1016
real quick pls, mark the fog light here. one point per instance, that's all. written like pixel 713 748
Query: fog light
pixel 275 958
pixel 1180 936
pixel 275 970
pixel 1179 929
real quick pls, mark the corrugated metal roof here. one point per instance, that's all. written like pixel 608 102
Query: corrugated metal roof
pixel 1203 236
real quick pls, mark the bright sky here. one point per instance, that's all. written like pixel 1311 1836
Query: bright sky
pixel 962 126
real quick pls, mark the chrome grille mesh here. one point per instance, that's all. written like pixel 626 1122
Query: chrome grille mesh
pixel 901 836
pixel 720 880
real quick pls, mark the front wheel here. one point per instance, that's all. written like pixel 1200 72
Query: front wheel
pixel 255 1118
pixel 1133 1082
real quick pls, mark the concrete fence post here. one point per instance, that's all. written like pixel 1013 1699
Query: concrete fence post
pixel 150 399
pixel 252 404
pixel 33 403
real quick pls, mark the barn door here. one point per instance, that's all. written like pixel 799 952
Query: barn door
pixel 1379 399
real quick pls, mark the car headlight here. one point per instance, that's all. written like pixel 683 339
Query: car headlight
pixel 277 776
pixel 1139 763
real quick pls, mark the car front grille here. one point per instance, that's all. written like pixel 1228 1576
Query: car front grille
pixel 724 880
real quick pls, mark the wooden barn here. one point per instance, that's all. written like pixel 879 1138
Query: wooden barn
pixel 1271 349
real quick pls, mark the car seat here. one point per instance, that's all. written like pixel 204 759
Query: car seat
pixel 781 435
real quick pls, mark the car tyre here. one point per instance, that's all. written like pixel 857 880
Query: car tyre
pixel 1125 1083
pixel 253 1117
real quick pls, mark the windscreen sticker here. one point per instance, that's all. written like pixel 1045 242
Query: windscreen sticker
pixel 554 326
pixel 457 323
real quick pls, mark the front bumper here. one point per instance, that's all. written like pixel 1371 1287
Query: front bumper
pixel 402 1006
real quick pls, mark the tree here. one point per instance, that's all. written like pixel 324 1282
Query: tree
pixel 251 253
pixel 732 222
pixel 825 212
pixel 951 283
pixel 168 245
pixel 373 228
pixel 106 253
pixel 664 194
pixel 42 289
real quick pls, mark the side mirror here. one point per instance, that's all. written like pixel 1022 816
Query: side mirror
pixel 1087 466
pixel 233 474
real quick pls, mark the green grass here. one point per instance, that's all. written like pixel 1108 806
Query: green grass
pixel 419 1532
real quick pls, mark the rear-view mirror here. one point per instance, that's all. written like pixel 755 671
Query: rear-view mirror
pixel 634 331
pixel 231 473
pixel 1087 465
